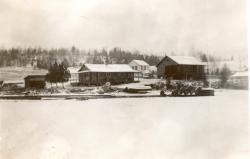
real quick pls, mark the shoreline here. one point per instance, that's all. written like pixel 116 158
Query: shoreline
pixel 85 96
pixel 71 96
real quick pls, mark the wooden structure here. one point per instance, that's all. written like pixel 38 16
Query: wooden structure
pixel 35 81
pixel 181 68
pixel 99 74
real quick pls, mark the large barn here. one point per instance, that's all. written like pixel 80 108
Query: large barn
pixel 181 68
pixel 98 74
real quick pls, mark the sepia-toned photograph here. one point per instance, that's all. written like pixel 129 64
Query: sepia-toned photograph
pixel 124 79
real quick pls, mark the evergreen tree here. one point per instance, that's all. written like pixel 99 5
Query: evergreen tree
pixel 203 57
pixel 224 74
pixel 64 74
pixel 53 75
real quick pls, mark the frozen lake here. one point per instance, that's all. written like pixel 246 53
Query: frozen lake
pixel 143 128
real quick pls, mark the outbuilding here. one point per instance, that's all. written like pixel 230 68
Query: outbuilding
pixel 98 74
pixel 35 81
pixel 181 68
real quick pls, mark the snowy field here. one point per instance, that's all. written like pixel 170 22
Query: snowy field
pixel 213 127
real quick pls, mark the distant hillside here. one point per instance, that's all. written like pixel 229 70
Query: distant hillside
pixel 18 73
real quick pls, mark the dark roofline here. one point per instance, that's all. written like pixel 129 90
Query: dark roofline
pixel 83 65
pixel 164 59
pixel 30 76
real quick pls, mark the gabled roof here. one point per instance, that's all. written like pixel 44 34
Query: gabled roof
pixel 107 68
pixel 184 60
pixel 140 62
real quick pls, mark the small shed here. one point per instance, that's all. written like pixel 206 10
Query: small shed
pixel 181 68
pixel 98 74
pixel 35 81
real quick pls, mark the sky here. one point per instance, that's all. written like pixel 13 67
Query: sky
pixel 152 26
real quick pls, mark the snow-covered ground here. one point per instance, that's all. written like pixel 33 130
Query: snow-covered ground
pixel 214 127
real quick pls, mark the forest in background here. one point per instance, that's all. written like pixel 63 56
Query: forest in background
pixel 44 58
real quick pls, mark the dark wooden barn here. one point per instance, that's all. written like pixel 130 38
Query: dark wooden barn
pixel 181 68
pixel 35 81
pixel 98 74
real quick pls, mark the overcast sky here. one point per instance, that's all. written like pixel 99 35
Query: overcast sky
pixel 157 26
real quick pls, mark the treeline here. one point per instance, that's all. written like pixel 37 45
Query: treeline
pixel 43 58
pixel 215 65
pixel 38 57
pixel 119 56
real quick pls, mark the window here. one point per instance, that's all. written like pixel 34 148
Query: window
pixel 108 74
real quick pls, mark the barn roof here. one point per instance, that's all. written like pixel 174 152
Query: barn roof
pixel 108 68
pixel 140 62
pixel 184 60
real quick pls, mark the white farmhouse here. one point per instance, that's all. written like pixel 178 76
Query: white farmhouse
pixel 141 66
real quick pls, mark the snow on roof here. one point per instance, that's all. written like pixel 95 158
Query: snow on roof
pixel 140 62
pixel 241 74
pixel 12 81
pixel 186 60
pixel 73 69
pixel 108 68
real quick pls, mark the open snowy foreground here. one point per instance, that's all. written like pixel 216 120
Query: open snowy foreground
pixel 213 127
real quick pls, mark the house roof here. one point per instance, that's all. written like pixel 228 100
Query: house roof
pixel 241 74
pixel 140 62
pixel 184 60
pixel 108 68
